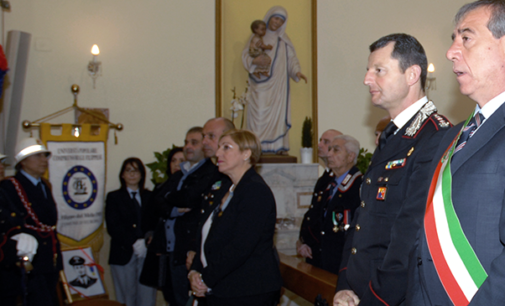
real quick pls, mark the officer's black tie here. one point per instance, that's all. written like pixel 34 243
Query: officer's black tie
pixel 386 134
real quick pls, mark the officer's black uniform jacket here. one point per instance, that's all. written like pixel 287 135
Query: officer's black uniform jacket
pixel 13 220
pixel 393 194
pixel 310 231
pixel 333 231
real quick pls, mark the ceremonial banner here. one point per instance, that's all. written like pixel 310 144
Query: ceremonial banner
pixel 77 175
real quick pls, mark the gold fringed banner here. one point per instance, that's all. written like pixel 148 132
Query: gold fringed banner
pixel 77 175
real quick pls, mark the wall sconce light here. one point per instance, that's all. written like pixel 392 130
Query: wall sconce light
pixel 94 65
pixel 430 80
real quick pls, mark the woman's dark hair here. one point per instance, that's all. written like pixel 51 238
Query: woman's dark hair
pixel 169 159
pixel 137 164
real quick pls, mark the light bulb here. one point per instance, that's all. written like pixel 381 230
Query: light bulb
pixel 431 68
pixel 95 50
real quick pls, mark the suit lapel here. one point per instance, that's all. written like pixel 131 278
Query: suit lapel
pixel 483 135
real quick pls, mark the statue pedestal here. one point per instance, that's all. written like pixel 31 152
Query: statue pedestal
pixel 277 159
pixel 292 186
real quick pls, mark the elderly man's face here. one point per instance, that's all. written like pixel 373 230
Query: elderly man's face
pixel 339 158
pixel 387 84
pixel 324 142
pixel 478 58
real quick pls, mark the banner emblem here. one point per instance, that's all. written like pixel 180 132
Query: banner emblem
pixel 79 187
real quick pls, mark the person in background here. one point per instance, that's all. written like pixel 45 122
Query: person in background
pixel 30 257
pixel 236 262
pixel 2 166
pixel 309 243
pixel 380 127
pixel 123 213
pixel 212 131
pixel 179 205
pixel 340 198
pixel 174 160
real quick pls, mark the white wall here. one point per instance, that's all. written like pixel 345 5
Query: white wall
pixel 158 67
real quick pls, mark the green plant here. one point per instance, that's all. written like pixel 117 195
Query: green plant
pixel 364 159
pixel 307 133
pixel 159 167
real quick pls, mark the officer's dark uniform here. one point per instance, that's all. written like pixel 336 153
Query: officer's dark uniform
pixel 14 219
pixel 336 219
pixel 393 194
pixel 310 231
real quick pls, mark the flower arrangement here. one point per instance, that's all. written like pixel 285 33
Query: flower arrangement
pixel 238 104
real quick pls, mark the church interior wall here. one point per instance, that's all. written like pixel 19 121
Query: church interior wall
pixel 158 65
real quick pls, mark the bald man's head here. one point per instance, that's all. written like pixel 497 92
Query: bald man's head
pixel 212 131
pixel 324 142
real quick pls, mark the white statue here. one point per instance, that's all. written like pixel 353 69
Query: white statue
pixel 268 111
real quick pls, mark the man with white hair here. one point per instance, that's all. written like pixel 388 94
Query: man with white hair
pixel 30 258
pixel 309 243
pixel 340 198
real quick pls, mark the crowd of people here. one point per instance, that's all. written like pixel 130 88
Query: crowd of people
pixel 423 226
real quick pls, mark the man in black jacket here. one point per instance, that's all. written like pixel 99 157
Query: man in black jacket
pixel 374 268
pixel 309 243
pixel 180 204
pixel 30 258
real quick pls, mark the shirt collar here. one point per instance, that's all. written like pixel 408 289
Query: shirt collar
pixel 409 112
pixel 490 107
pixel 31 178
pixel 187 168
pixel 341 178
pixel 131 190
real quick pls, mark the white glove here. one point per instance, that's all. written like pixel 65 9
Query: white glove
pixel 27 245
pixel 139 248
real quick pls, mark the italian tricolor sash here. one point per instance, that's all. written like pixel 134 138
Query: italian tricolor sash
pixel 457 265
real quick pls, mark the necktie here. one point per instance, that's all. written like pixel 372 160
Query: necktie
pixel 41 189
pixel 139 211
pixel 134 198
pixel 468 131
pixel 385 135
pixel 331 187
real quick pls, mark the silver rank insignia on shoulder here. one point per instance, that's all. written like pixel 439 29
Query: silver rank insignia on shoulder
pixel 396 164
pixel 441 120
pixel 423 114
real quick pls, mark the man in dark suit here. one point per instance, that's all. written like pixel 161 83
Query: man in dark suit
pixel 309 243
pixel 374 267
pixel 30 258
pixel 469 269
pixel 83 279
pixel 180 205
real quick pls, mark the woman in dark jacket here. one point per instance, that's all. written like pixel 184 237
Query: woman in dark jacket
pixel 236 263
pixel 123 214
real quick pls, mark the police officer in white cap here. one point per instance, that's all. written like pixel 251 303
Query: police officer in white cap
pixel 30 257
pixel 2 166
